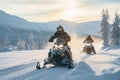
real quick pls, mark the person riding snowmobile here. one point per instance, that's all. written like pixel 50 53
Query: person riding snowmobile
pixel 90 40
pixel 60 33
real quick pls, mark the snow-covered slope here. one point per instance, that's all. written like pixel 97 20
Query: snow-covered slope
pixel 91 27
pixel 20 65
pixel 12 21
pixel 15 27
pixel 105 65
pixel 17 22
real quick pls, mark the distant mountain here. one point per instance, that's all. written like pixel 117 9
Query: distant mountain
pixel 15 27
pixel 91 27
pixel 84 28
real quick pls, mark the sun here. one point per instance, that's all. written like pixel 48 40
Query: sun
pixel 69 13
pixel 70 9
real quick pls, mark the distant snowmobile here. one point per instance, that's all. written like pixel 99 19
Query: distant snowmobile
pixel 89 48
pixel 58 54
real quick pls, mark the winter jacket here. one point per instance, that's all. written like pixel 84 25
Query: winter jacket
pixel 62 35
pixel 88 40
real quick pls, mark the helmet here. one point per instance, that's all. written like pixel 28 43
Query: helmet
pixel 60 28
pixel 89 36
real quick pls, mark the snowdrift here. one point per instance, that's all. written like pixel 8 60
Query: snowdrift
pixel 20 65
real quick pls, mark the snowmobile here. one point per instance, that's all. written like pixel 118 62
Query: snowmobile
pixel 89 48
pixel 58 54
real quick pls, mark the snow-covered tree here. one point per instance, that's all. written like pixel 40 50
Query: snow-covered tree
pixel 39 43
pixel 115 34
pixel 0 43
pixel 21 44
pixel 31 44
pixel 105 28
pixel 6 42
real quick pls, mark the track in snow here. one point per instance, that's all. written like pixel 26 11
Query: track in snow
pixel 29 72
pixel 102 66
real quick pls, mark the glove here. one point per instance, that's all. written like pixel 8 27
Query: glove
pixel 50 40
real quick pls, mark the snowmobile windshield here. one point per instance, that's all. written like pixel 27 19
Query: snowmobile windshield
pixel 59 41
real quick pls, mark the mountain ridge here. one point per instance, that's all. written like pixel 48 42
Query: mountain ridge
pixel 15 27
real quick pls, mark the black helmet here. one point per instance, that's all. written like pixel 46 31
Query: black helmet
pixel 60 28
pixel 89 36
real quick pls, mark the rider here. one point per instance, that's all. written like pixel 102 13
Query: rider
pixel 89 40
pixel 60 33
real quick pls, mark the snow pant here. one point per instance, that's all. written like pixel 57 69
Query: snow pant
pixel 93 49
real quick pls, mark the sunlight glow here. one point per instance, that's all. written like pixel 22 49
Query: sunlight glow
pixel 71 9
pixel 53 10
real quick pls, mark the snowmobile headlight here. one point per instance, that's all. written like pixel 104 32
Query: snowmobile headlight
pixel 60 46
pixel 88 44
pixel 56 46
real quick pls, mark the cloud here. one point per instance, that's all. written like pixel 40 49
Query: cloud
pixel 49 10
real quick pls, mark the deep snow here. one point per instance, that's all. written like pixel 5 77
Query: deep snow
pixel 20 65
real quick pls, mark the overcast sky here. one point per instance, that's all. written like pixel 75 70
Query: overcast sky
pixel 52 10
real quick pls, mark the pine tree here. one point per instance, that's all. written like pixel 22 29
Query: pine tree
pixel 115 34
pixel 31 44
pixel 105 28
pixel 39 43
pixel 6 42
pixel 21 44
pixel 0 43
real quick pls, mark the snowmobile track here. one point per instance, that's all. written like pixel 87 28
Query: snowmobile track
pixel 31 73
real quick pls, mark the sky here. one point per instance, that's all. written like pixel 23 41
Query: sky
pixel 52 10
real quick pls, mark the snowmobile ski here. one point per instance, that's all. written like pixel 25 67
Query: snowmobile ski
pixel 38 66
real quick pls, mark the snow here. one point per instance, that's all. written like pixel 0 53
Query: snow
pixel 20 65
pixel 102 66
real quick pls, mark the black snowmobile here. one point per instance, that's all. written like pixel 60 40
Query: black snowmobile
pixel 58 54
pixel 89 48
